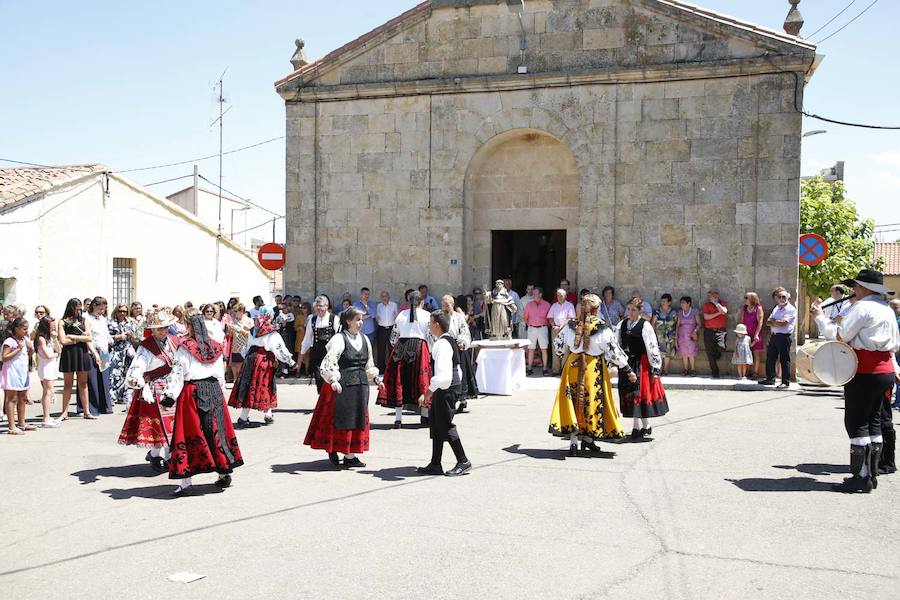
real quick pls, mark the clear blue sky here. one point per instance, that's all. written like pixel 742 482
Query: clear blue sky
pixel 129 84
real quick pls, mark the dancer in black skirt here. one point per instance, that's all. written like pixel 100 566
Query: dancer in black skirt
pixel 441 398
pixel 320 328
pixel 459 331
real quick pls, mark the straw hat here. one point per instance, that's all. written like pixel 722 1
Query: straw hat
pixel 159 318
pixel 741 329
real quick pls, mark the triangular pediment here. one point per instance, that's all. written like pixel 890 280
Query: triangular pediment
pixel 446 39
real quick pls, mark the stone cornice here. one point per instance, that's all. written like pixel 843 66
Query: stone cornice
pixel 507 82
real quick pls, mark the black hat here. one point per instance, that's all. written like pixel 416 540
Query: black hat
pixel 871 280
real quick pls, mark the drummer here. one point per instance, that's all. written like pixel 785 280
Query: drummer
pixel 870 328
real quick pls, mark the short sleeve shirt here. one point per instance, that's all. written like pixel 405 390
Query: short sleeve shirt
pixel 719 322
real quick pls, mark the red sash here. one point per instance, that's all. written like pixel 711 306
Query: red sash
pixel 874 362
pixel 152 346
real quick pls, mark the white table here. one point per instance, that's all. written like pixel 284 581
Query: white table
pixel 501 366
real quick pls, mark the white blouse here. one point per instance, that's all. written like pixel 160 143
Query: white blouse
pixel 145 361
pixel 100 331
pixel 649 337
pixel 215 330
pixel 274 343
pixel 603 342
pixel 330 370
pixel 403 328
pixel 321 323
pixel 188 368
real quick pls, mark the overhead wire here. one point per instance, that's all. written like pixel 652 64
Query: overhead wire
pixel 831 20
pixel 247 200
pixel 89 185
pixel 864 11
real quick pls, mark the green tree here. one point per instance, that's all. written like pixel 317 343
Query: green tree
pixel 825 209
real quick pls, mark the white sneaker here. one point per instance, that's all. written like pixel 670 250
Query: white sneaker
pixel 51 424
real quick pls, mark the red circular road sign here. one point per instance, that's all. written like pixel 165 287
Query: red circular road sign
pixel 271 256
pixel 813 249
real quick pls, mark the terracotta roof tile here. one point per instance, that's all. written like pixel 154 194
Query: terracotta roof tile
pixel 890 253
pixel 21 183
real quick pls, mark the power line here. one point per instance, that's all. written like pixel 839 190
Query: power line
pixel 192 160
pixel 90 184
pixel 247 200
pixel 167 180
pixel 831 20
pixel 874 2
pixel 31 164
pixel 266 222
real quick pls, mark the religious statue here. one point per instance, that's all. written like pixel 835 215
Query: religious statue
pixel 498 313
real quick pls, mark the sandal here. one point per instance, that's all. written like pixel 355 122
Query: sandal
pixel 28 427
pixel 15 431
pixel 89 417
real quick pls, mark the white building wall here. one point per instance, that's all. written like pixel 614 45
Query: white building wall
pixel 207 210
pixel 76 241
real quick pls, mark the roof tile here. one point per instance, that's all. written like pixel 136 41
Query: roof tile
pixel 21 183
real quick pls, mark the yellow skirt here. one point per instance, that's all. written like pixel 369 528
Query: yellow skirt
pixel 599 417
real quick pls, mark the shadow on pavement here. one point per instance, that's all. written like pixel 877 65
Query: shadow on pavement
pixel 315 466
pixel 121 471
pixel 394 473
pixel 817 468
pixel 789 484
pixel 299 411
pixel 160 492
pixel 538 453
pixel 388 426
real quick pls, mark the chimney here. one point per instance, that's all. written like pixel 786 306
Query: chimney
pixel 299 57
pixel 794 20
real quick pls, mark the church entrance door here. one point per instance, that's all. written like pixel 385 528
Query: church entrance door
pixel 530 256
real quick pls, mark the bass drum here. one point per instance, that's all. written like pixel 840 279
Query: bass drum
pixel 826 362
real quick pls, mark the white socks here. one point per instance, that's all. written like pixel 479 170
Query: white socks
pixel 245 414
pixel 186 482
pixel 573 438
pixel 350 455
pixel 268 413
pixel 637 423
pixel 398 413
pixel 154 452
pixel 645 423
pixel 166 453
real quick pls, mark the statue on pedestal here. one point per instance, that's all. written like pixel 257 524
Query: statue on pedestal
pixel 498 312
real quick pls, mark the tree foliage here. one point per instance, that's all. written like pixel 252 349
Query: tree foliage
pixel 825 209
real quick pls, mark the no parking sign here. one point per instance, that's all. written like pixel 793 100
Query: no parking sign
pixel 813 249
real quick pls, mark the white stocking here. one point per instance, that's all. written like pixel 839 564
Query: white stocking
pixel 268 413
pixel 186 482
pixel 154 452
pixel 645 423
pixel 573 438
pixel 637 423
pixel 350 456
pixel 166 452
pixel 398 413
pixel 245 414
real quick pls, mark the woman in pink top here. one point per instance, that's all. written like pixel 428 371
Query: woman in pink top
pixel 752 317
pixel 688 324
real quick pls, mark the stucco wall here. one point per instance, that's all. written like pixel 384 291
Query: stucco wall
pixel 70 251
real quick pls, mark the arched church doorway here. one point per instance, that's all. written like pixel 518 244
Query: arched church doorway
pixel 522 210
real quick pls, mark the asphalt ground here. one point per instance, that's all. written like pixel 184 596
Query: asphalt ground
pixel 731 499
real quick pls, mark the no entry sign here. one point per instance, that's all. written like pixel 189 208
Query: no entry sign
pixel 813 249
pixel 271 256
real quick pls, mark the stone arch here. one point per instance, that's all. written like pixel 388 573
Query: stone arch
pixel 520 179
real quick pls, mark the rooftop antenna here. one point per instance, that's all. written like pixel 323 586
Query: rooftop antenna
pixel 219 86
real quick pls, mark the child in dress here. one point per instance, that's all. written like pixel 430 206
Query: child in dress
pixel 742 356
pixel 47 349
pixel 14 376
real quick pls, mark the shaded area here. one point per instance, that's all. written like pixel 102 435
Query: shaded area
pixel 299 411
pixel 395 473
pixel 817 468
pixel 120 471
pixel 537 453
pixel 389 426
pixel 160 492
pixel 788 484
pixel 315 466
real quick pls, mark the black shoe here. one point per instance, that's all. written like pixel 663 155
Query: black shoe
pixel 887 470
pixel 270 420
pixel 590 446
pixel 854 485
pixel 529 372
pixel 637 435
pixel 334 458
pixel 460 469
pixel 223 482
pixel 398 424
pixel 647 431
pixel 430 469
pixel 183 491
pixel 424 421
pixel 463 405
pixel 158 464
pixel 148 457
pixel 242 423
pixel 766 382
pixel 354 462
pixel 573 449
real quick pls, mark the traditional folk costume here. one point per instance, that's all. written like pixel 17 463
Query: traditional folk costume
pixel 459 331
pixel 584 407
pixel 340 422
pixel 319 331
pixel 870 328
pixel 255 388
pixel 408 370
pixel 203 440
pixel 151 412
pixel 646 397
pixel 444 384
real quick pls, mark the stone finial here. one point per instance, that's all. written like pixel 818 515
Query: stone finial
pixel 299 57
pixel 794 20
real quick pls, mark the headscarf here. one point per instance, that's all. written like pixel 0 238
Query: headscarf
pixel 588 320
pixel 262 322
pixel 206 348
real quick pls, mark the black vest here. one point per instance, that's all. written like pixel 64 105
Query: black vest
pixel 456 378
pixel 352 363
pixel 632 342
pixel 323 335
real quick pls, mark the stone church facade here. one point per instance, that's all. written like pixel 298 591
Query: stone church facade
pixel 664 140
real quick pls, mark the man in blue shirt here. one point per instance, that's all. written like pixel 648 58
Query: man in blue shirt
pixel 430 304
pixel 368 308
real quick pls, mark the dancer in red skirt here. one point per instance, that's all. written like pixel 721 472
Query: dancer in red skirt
pixel 255 388
pixel 340 422
pixel 150 417
pixel 408 370
pixel 645 398
pixel 203 440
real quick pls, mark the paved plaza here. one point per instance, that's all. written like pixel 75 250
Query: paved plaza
pixel 730 500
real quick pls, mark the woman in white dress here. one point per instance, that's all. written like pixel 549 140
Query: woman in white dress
pixel 47 349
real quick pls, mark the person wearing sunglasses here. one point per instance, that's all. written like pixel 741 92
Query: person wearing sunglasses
pixel 782 321
pixel 123 333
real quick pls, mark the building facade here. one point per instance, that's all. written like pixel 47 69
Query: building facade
pixel 80 231
pixel 647 144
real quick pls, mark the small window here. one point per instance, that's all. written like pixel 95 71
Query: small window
pixel 123 280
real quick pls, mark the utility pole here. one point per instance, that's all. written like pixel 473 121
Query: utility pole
pixel 196 193
pixel 221 120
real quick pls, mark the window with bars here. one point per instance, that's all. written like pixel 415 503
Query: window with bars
pixel 123 280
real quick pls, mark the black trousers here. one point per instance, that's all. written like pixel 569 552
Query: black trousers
pixel 779 348
pixel 713 352
pixel 867 405
pixel 382 346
